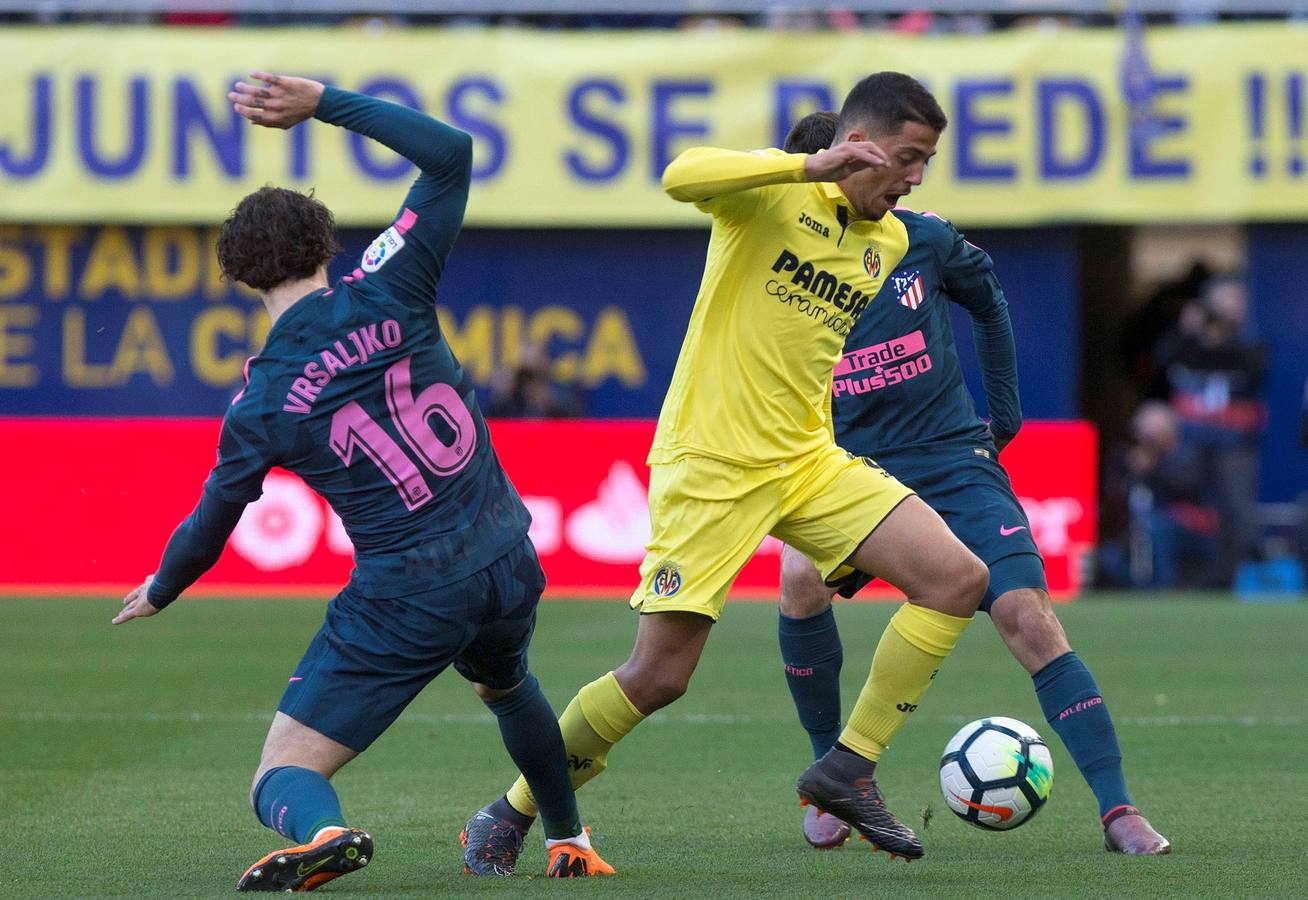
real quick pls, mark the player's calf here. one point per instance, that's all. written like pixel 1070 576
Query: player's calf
pixel 1025 620
pixel 667 650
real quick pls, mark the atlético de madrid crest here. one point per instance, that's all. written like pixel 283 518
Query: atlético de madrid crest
pixel 872 261
pixel 908 289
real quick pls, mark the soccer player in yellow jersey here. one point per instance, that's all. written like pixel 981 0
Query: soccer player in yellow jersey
pixel 800 245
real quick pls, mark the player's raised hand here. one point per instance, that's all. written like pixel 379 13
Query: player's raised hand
pixel 136 604
pixel 282 101
pixel 844 160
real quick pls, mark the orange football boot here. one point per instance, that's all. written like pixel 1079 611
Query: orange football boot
pixel 338 852
pixel 572 861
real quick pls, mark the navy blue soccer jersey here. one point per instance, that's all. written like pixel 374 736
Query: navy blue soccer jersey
pixel 899 386
pixel 357 391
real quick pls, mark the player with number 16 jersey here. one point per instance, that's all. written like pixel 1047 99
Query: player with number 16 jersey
pixel 357 392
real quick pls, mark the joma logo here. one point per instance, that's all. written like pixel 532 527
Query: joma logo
pixel 809 222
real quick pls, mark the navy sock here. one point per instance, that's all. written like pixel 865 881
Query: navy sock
pixel 812 654
pixel 1070 700
pixel 531 735
pixel 503 809
pixel 296 803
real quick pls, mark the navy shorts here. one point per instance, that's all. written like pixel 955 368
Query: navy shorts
pixel 972 493
pixel 372 656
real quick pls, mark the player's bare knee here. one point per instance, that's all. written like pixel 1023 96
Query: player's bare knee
pixel 651 687
pixel 489 694
pixel 1026 622
pixel 803 593
pixel 975 583
pixel 959 586
pixel 661 690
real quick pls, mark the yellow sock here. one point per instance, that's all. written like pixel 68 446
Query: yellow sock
pixel 910 652
pixel 596 719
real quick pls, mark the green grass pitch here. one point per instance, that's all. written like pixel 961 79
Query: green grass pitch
pixel 126 753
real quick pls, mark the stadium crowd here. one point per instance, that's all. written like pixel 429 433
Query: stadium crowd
pixel 1187 476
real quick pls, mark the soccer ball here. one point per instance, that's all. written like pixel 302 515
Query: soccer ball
pixel 996 773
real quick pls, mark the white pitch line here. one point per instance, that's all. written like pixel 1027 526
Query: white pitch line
pixel 661 718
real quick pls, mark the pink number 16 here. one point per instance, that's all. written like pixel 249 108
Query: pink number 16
pixel 353 428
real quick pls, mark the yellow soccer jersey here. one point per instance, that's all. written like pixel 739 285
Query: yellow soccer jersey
pixel 789 269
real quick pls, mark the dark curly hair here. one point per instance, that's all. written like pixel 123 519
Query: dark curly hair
pixel 813 133
pixel 276 235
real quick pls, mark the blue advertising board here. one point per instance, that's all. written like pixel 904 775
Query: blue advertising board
pixel 124 321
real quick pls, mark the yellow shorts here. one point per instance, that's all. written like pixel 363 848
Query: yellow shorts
pixel 709 516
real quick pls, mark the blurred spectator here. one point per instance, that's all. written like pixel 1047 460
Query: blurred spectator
pixel 782 19
pixel 529 392
pixel 919 21
pixel 710 23
pixel 375 24
pixel 1171 532
pixel 1155 319
pixel 1216 370
pixel 193 18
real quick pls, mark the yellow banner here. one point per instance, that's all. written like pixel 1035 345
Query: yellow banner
pixel 131 125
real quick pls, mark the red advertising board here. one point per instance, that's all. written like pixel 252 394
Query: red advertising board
pixel 89 504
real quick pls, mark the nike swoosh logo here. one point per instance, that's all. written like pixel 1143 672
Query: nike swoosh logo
pixel 1005 531
pixel 301 870
pixel 906 834
pixel 1004 813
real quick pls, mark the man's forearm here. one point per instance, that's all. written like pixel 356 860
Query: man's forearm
pixel 429 144
pixel 704 172
pixel 194 547
pixel 997 354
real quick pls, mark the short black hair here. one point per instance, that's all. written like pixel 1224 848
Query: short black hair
pixel 813 133
pixel 883 102
pixel 276 235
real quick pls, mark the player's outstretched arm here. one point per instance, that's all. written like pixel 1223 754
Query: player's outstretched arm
pixel 432 213
pixel 701 173
pixel 283 101
pixel 192 550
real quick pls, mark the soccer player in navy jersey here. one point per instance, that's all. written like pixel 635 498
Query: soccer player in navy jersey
pixel 357 392
pixel 899 397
